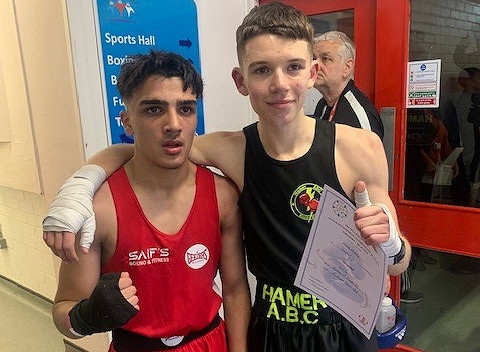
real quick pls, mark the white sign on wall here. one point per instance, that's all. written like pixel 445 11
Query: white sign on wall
pixel 423 84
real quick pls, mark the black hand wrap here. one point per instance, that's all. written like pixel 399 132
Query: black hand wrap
pixel 105 310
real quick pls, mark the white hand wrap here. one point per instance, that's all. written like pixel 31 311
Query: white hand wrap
pixel 393 245
pixel 72 208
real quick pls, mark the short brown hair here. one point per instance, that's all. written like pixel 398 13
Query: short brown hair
pixel 277 19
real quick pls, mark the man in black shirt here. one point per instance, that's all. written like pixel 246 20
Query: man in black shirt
pixel 342 101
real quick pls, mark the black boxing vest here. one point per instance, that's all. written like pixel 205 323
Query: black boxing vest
pixel 279 202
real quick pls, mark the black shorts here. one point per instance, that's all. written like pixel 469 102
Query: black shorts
pixel 290 320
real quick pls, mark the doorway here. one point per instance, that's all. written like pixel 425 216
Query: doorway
pixel 445 266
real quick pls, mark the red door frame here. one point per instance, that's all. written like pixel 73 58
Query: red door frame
pixel 393 17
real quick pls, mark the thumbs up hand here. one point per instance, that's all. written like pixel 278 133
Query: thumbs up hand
pixel 370 219
pixel 375 222
pixel 361 195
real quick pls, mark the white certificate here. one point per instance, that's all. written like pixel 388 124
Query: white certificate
pixel 338 267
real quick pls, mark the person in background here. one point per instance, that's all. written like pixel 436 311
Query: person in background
pixel 435 150
pixel 474 118
pixel 462 119
pixel 164 226
pixel 280 165
pixel 461 132
pixel 342 101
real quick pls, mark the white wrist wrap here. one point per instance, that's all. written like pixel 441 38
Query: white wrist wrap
pixel 75 333
pixel 393 245
pixel 72 208
pixel 72 330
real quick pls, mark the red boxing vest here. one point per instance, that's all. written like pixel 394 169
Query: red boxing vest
pixel 173 274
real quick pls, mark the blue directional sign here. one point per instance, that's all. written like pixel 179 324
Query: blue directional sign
pixel 136 26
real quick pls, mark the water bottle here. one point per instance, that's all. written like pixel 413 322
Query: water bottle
pixel 387 316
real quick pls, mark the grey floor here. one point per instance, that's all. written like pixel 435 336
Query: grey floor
pixel 448 317
pixel 25 322
pixel 446 320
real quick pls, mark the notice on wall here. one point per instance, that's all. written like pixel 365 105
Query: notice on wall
pixel 423 84
pixel 135 27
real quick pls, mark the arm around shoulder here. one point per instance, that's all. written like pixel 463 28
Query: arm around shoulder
pixel 112 158
pixel 223 150
pixel 71 211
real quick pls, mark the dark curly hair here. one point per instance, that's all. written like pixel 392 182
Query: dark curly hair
pixel 138 68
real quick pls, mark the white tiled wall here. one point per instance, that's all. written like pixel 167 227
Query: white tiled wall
pixel 26 260
pixel 437 27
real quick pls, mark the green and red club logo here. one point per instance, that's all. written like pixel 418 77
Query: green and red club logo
pixel 304 201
